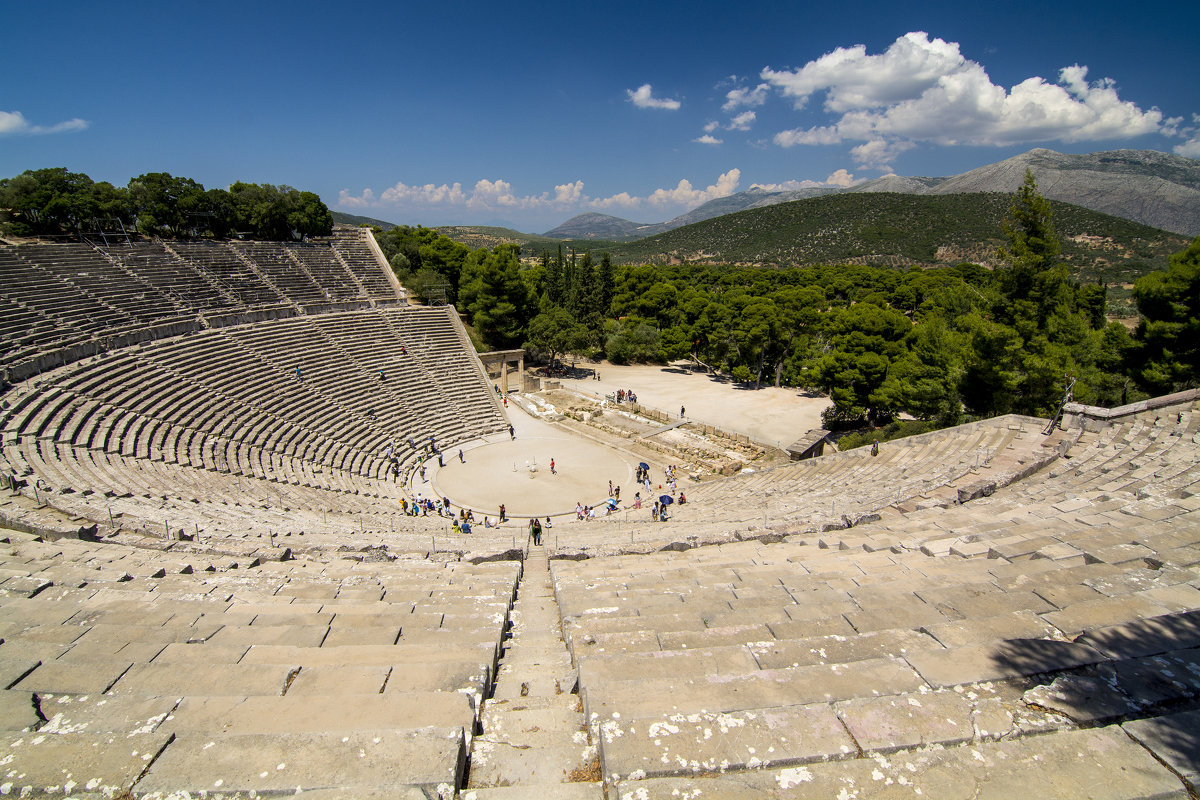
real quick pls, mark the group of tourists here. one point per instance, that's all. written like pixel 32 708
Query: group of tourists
pixel 626 396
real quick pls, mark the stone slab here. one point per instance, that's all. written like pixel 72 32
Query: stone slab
pixel 748 691
pixel 681 744
pixel 556 791
pixel 884 724
pixel 13 670
pixel 502 763
pixel 177 680
pixel 328 714
pixel 17 711
pixel 284 763
pixel 1081 698
pixel 839 649
pixel 1017 625
pixel 1172 738
pixel 668 663
pixel 104 713
pixel 1097 764
pixel 342 679
pixel 1079 617
pixel 365 654
pixel 61 677
pixel 999 661
pixel 93 765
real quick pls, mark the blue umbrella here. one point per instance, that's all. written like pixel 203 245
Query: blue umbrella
pixel 643 465
pixel 666 499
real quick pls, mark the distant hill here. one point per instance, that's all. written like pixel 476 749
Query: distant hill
pixel 1157 189
pixel 342 218
pixel 484 236
pixel 901 230
pixel 598 226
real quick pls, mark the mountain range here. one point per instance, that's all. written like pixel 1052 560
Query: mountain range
pixel 1156 189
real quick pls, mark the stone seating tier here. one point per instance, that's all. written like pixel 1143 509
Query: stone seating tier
pixel 776 670
pixel 190 664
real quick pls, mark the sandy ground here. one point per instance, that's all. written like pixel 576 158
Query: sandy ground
pixel 498 470
pixel 772 416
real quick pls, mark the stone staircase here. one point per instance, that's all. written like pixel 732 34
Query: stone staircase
pixel 534 739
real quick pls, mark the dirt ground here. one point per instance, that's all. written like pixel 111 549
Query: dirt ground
pixel 772 416
pixel 498 470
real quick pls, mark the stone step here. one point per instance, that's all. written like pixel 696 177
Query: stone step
pixel 1092 763
pixel 278 763
pixel 543 791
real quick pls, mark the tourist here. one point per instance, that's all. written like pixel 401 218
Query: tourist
pixel 610 489
pixel 441 463
pixel 578 511
pixel 874 448
pixel 461 460
pixel 682 498
pixel 682 412
pixel 617 494
pixel 298 376
pixel 654 511
pixel 512 433
pixel 466 527
pixel 637 500
pixel 552 470
pixel 503 513
pixel 487 523
pixel 535 531
pixel 548 524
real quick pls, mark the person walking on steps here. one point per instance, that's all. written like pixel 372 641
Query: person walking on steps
pixel 503 515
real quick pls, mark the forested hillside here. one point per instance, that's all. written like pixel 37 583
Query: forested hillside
pixel 895 230
pixel 941 344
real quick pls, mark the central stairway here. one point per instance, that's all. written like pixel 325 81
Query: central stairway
pixel 534 740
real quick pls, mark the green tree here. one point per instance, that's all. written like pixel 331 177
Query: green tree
pixel 163 202
pixel 555 331
pixel 1168 353
pixel 494 297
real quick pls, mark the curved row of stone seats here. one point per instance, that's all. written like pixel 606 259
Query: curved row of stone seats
pixel 70 295
pixel 327 270
pixel 298 510
pixel 781 670
pixel 248 286
pixel 356 249
pixel 134 672
pixel 284 272
pixel 360 388
pixel 836 491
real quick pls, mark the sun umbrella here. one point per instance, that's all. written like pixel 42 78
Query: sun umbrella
pixel 666 499
pixel 643 465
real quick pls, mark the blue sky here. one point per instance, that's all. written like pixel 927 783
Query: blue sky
pixel 525 114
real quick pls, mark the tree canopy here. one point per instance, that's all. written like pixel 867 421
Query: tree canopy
pixel 54 201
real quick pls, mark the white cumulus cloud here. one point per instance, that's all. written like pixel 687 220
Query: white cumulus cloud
pixel 707 138
pixel 736 98
pixel 838 178
pixel 742 121
pixel 684 194
pixel 14 123
pixel 491 195
pixel 643 97
pixel 923 89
